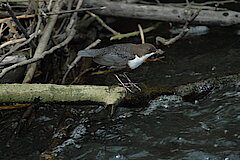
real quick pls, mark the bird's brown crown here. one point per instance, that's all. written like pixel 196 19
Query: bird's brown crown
pixel 143 49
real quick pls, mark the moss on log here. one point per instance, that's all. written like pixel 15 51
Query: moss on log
pixel 10 93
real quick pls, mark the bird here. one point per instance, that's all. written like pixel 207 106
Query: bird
pixel 121 57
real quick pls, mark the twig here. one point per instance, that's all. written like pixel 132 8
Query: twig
pixel 17 47
pixel 16 106
pixel 158 2
pixel 81 74
pixel 69 28
pixel 12 42
pixel 65 20
pixel 19 25
pixel 1 30
pixel 74 17
pixel 93 44
pixel 181 34
pixel 49 5
pixel 204 4
pixel 25 119
pixel 13 30
pixel 24 43
pixel 76 10
pixel 136 33
pixel 213 2
pixel 41 56
pixel 78 59
pixel 72 20
pixel 4 20
pixel 43 41
pixel 141 33
pixel 103 23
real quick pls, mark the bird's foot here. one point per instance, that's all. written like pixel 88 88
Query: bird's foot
pixel 123 84
pixel 128 86
pixel 133 85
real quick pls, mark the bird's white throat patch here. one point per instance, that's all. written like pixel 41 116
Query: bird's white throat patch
pixel 137 61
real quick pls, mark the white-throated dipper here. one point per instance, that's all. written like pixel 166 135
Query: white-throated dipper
pixel 120 57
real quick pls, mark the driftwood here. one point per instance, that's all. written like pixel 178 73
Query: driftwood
pixel 206 85
pixel 163 13
pixel 174 12
pixel 189 92
pixel 10 93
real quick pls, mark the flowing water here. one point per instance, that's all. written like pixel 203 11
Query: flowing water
pixel 168 128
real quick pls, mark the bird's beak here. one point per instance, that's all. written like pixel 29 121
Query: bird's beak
pixel 157 56
pixel 159 51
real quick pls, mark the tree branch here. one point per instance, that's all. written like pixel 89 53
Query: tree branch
pixel 41 56
pixel 9 93
pixel 19 25
pixel 43 41
pixel 163 13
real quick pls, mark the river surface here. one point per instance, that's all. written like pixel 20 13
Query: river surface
pixel 167 128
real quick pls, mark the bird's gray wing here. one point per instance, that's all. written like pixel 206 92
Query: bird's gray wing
pixel 114 62
pixel 88 53
pixel 112 59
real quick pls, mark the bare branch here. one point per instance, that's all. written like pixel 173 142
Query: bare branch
pixel 78 59
pixel 19 25
pixel 181 34
pixel 103 23
pixel 43 41
pixel 24 43
pixel 41 56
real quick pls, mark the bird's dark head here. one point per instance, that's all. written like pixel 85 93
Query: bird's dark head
pixel 145 48
pixel 141 52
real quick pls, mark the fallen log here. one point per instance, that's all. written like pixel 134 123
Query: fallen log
pixel 164 13
pixel 108 95
pixel 10 93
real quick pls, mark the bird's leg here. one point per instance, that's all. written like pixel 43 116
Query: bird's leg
pixel 130 82
pixel 120 81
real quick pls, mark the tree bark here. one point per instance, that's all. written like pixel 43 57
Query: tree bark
pixel 43 41
pixel 17 93
pixel 163 13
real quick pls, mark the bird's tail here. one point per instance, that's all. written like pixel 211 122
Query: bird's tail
pixel 87 53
